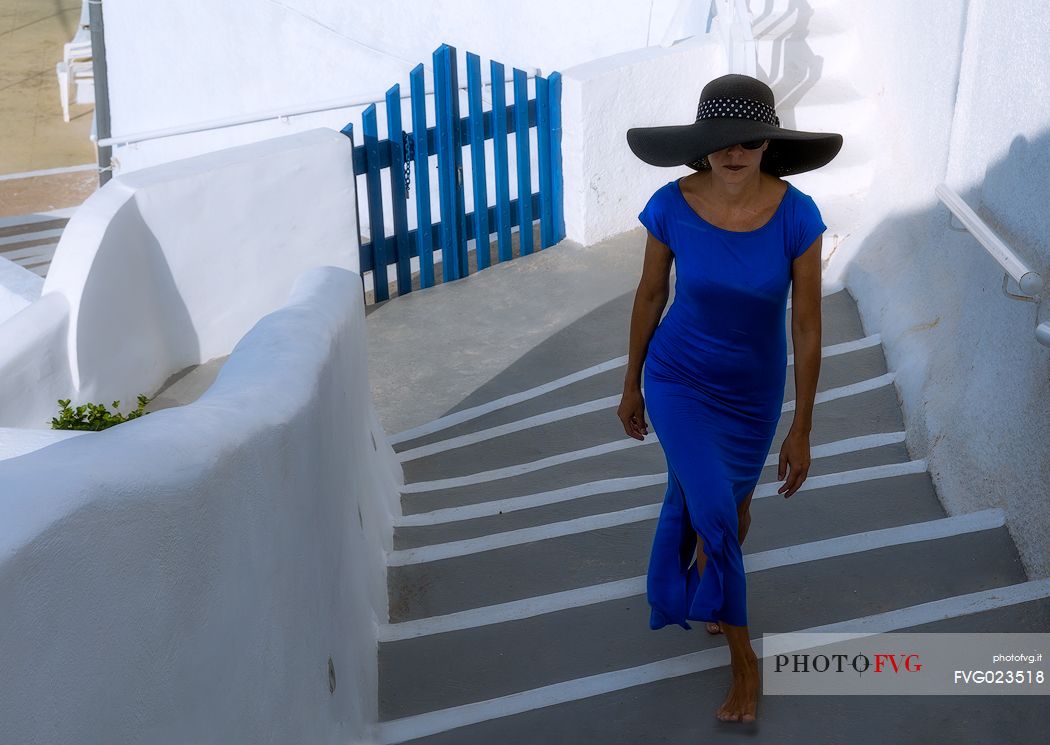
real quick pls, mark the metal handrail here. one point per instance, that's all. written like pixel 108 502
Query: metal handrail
pixel 281 114
pixel 1029 281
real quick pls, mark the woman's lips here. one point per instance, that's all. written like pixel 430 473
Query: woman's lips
pixel 734 168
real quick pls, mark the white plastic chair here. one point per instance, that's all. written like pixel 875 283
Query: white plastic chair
pixel 75 66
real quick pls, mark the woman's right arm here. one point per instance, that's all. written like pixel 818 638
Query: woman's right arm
pixel 649 301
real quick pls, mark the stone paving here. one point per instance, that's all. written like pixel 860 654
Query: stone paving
pixel 34 136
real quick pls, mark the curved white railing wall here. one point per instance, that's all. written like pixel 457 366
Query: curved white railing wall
pixel 34 367
pixel 186 576
pixel 167 267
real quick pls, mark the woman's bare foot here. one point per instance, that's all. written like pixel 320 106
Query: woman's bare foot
pixel 742 699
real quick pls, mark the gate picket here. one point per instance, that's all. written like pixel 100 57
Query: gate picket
pixel 459 200
pixel 543 144
pixel 479 227
pixel 446 164
pixel 375 203
pixel 557 190
pixel 521 148
pixel 446 140
pixel 499 149
pixel 421 166
pixel 401 247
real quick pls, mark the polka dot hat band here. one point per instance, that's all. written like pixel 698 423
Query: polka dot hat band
pixel 744 108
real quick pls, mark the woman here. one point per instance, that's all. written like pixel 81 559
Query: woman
pixel 715 366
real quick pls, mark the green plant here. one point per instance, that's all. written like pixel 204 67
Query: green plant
pixel 94 417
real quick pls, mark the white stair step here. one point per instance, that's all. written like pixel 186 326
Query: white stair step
pixel 776 8
pixel 827 90
pixel 19 255
pixel 40 271
pixel 36 217
pixel 24 237
pixel 848 113
pixel 841 212
pixel 18 287
pixel 770 21
pixel 802 58
pixel 835 180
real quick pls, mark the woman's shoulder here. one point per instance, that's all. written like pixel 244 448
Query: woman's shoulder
pixel 667 190
pixel 807 223
pixel 796 193
pixel 663 198
pixel 657 215
pixel 803 202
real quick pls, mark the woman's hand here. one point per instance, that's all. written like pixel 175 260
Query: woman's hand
pixel 632 413
pixel 794 452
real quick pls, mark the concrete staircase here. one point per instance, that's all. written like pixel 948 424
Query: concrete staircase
pixel 30 240
pixel 517 580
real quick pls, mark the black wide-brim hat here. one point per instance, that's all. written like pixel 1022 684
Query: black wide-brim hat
pixel 734 108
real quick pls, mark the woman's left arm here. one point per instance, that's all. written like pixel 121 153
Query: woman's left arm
pixel 806 340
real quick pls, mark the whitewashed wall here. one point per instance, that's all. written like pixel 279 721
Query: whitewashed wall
pixel 963 98
pixel 186 576
pixel 607 185
pixel 168 266
pixel 174 64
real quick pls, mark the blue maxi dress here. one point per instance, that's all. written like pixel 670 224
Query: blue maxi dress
pixel 713 385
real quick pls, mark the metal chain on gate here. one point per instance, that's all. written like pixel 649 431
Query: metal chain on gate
pixel 409 151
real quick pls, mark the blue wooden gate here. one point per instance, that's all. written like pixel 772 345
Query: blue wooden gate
pixel 402 151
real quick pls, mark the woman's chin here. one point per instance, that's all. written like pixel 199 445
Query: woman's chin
pixel 734 175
